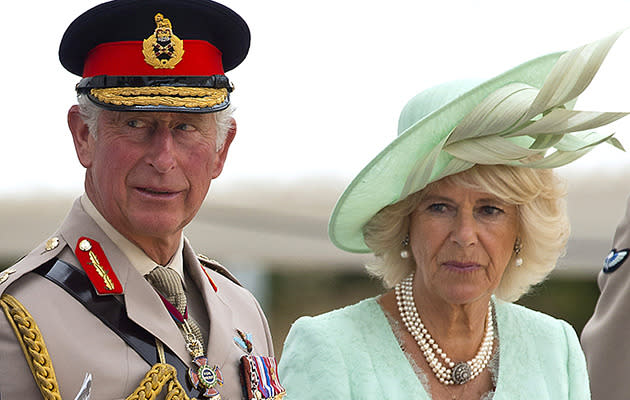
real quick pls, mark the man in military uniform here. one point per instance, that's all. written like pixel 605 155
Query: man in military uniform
pixel 605 336
pixel 116 303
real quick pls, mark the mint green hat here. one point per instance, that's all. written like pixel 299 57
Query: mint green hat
pixel 522 117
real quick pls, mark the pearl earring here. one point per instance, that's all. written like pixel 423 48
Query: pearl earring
pixel 518 246
pixel 404 253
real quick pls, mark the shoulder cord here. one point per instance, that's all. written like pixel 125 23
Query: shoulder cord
pixel 153 382
pixel 32 344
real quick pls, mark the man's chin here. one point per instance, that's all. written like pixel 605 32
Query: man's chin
pixel 157 226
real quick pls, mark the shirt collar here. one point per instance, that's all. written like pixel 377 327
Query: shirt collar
pixel 138 258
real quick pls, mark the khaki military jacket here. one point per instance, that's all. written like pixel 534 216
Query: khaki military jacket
pixel 79 343
pixel 605 336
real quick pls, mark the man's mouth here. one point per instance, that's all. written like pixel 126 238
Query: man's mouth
pixel 157 192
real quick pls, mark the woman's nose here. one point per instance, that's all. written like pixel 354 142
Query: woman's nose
pixel 465 230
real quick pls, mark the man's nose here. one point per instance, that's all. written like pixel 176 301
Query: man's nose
pixel 161 152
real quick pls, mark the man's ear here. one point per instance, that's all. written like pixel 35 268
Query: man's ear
pixel 83 140
pixel 219 162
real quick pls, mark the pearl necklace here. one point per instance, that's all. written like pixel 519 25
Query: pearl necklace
pixel 450 372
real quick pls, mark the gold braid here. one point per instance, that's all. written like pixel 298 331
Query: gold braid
pixel 154 381
pixel 161 96
pixel 33 346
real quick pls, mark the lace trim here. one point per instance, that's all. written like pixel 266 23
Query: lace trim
pixel 493 365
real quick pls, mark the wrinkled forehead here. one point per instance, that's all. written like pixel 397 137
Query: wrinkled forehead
pixel 158 116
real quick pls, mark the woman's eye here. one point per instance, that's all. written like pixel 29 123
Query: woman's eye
pixel 491 210
pixel 438 207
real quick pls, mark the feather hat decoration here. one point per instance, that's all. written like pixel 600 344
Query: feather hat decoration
pixel 523 117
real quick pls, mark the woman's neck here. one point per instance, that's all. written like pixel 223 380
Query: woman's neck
pixel 457 328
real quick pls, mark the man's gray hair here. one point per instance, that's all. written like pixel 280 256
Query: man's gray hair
pixel 90 113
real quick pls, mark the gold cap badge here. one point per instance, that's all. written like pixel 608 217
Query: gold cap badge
pixel 162 49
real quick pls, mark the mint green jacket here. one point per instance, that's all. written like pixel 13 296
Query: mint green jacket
pixel 352 353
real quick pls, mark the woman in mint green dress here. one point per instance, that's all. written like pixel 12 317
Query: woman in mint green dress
pixel 464 214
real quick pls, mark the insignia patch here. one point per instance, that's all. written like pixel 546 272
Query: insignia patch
pixel 96 266
pixel 614 259
pixel 52 243
pixel 162 49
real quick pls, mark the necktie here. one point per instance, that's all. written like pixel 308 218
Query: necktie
pixel 169 284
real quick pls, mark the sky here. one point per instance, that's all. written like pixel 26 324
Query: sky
pixel 321 89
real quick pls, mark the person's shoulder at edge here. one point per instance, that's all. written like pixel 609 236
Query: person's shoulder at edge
pixel 316 351
pixel 555 345
pixel 44 252
pixel 343 319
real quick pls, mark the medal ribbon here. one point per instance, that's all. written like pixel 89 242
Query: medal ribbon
pixel 177 316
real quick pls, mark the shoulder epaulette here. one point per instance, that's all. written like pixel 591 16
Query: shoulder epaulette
pixel 217 267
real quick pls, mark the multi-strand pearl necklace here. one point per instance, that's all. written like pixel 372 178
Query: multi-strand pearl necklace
pixel 445 370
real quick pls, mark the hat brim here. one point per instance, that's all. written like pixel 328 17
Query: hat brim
pixel 161 98
pixel 197 94
pixel 381 182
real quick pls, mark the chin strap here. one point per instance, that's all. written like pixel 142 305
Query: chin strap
pixel 40 363
pixel 33 346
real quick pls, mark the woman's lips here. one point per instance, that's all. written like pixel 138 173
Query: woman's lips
pixel 461 266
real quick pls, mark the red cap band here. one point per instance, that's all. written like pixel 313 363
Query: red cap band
pixel 200 58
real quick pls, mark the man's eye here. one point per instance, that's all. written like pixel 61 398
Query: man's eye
pixel 186 127
pixel 134 123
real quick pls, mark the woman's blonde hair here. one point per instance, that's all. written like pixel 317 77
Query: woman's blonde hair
pixel 543 227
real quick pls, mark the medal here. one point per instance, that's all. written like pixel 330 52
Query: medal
pixel 259 373
pixel 206 377
pixel 202 376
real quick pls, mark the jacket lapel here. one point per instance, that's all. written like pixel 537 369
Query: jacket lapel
pixel 142 303
pixel 221 331
pixel 146 309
